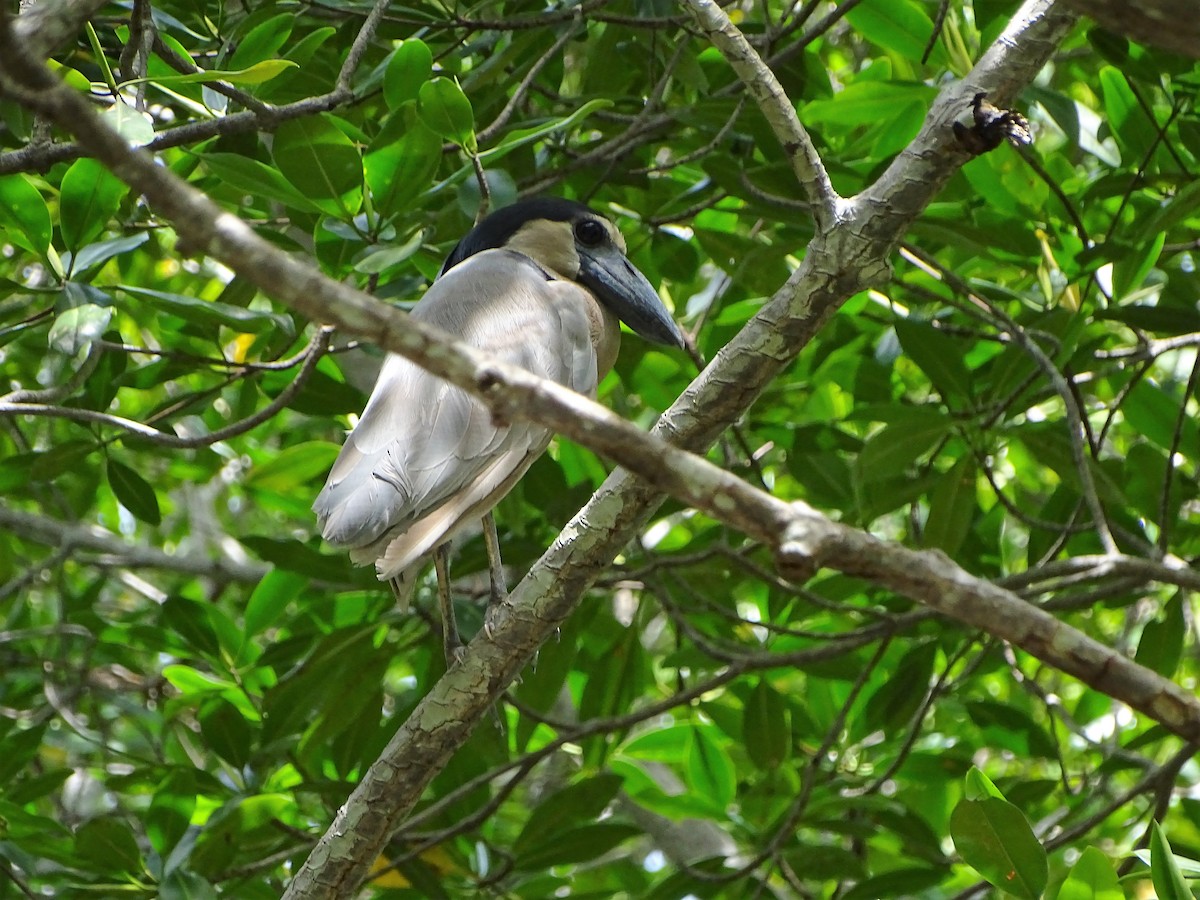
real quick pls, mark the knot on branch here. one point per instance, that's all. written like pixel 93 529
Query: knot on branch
pixel 492 384
pixel 798 554
pixel 992 126
pixel 489 379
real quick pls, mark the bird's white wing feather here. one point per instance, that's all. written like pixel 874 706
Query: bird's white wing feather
pixel 425 455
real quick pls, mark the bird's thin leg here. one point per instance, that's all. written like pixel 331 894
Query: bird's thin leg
pixel 451 642
pixel 499 592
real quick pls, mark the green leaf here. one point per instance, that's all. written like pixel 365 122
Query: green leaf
pixel 109 845
pixel 258 73
pixel 384 258
pixel 519 137
pixel 400 171
pixel 576 804
pixel 24 214
pixel 888 453
pixel 226 731
pixel 82 313
pixel 900 26
pixel 867 104
pixel 576 846
pixel 209 312
pixel 978 786
pixel 256 178
pixel 1091 878
pixel 89 198
pixel 103 251
pixel 1129 274
pixel 1160 319
pixel 906 882
pixel 1177 209
pixel 993 837
pixel 1169 882
pixel 710 771
pixel 17 750
pixel 1160 647
pixel 938 356
pixel 892 705
pixel 262 41
pixel 444 107
pixel 293 467
pixel 317 158
pixel 409 68
pixel 1128 121
pixel 182 884
pixel 1154 414
pixel 137 128
pixel 133 491
pixel 952 507
pixel 170 811
pixel 766 726
pixel 191 682
pixel 274 592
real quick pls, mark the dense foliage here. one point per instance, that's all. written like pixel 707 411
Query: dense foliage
pixel 190 683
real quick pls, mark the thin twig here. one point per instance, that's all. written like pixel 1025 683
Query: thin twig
pixel 312 355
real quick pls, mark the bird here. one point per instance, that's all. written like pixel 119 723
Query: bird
pixel 541 284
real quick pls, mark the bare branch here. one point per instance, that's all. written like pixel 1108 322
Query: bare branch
pixel 839 263
pixel 312 355
pixel 93 538
pixel 52 24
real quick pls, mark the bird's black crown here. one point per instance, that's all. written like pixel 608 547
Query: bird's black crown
pixel 496 230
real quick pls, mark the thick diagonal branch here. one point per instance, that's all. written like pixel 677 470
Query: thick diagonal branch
pixel 840 262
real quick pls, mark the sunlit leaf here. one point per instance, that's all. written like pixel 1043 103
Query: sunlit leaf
pixel 90 196
pixel 445 109
pixel 24 213
pixel 994 838
pixel 408 69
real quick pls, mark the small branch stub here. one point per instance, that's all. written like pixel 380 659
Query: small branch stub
pixel 796 556
pixel 992 127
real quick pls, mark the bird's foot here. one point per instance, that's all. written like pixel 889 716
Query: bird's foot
pixel 455 651
pixel 498 604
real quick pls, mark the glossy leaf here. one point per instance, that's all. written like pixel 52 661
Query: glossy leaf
pixel 897 25
pixel 574 805
pixel 262 41
pixel 134 492
pixel 446 111
pixel 938 357
pixel 82 313
pixel 409 67
pixel 317 158
pixel 397 173
pixel 206 312
pixel 293 467
pixel 137 128
pixel 1092 878
pixel 276 590
pixel 90 196
pixel 1169 883
pixel 24 213
pixel 994 838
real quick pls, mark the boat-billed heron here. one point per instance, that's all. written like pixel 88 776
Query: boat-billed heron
pixel 540 284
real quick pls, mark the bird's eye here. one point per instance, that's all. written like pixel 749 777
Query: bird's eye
pixel 590 233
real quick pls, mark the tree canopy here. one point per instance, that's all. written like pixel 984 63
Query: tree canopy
pixel 923 625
